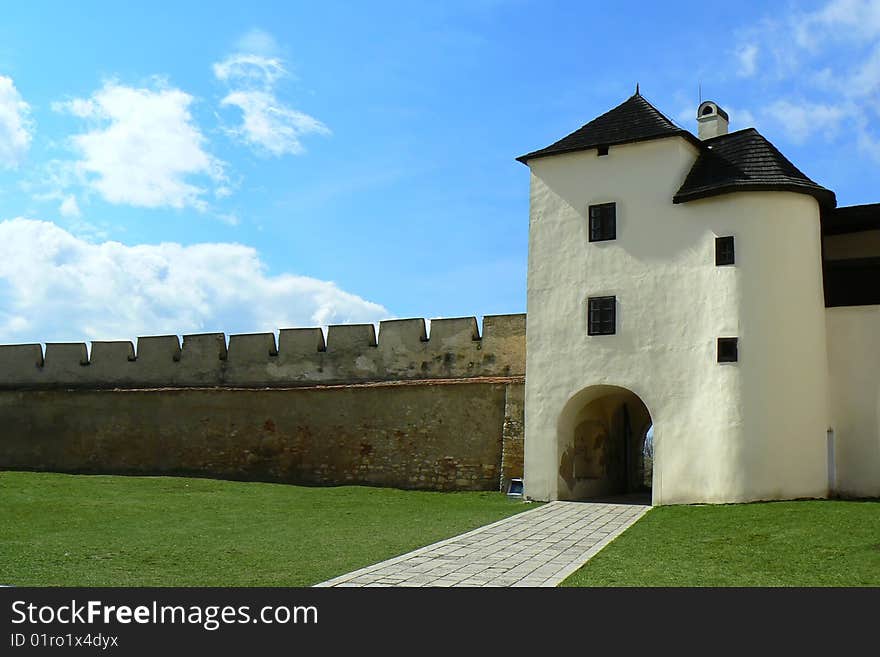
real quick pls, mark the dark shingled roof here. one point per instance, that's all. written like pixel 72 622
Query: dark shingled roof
pixel 744 161
pixel 741 161
pixel 635 119
pixel 851 219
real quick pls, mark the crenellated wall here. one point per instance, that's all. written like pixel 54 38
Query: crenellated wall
pixel 407 408
pixel 352 354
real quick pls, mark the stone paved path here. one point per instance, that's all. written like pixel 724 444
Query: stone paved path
pixel 540 547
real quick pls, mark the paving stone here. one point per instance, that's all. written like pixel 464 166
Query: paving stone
pixel 537 548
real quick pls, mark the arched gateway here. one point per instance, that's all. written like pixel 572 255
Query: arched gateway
pixel 603 444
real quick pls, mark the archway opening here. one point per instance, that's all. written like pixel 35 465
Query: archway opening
pixel 606 445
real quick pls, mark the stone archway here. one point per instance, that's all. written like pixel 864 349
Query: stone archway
pixel 602 445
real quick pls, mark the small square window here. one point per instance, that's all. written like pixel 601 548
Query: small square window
pixel 602 150
pixel 603 222
pixel 728 351
pixel 724 253
pixel 601 315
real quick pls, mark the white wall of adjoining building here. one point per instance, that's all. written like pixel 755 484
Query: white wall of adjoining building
pixel 722 432
pixel 854 361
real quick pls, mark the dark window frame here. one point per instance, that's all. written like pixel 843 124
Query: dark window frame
pixel 728 350
pixel 725 251
pixel 602 315
pixel 602 223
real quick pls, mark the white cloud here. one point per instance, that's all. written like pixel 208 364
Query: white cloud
pixel 838 20
pixel 16 127
pixel 740 118
pixel 869 144
pixel 865 79
pixel 229 218
pixel 821 69
pixel 69 207
pixel 56 286
pixel 80 107
pixel 267 124
pixel 143 149
pixel 800 120
pixel 252 68
pixel 747 55
pixel 792 41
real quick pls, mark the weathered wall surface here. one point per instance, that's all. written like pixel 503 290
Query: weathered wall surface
pixel 352 353
pixel 854 363
pixel 436 435
pixel 409 410
pixel 513 435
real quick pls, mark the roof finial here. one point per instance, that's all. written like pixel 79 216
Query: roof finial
pixel 637 88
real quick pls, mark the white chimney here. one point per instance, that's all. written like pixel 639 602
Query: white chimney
pixel 711 120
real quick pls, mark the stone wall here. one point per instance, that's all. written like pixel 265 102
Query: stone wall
pixel 513 435
pixel 404 351
pixel 355 412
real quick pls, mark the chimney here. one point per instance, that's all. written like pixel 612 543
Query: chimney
pixel 711 120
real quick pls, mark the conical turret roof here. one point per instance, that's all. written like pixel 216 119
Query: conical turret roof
pixel 635 119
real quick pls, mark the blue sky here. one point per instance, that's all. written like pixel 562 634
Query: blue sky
pixel 168 169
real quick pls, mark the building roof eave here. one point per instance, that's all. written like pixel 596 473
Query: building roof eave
pixel 825 197
pixel 687 136
pixel 634 120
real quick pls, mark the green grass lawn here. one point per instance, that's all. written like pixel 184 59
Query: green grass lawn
pixel 67 530
pixel 804 543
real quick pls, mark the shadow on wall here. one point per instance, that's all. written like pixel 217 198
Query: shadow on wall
pixel 603 444
pixel 660 167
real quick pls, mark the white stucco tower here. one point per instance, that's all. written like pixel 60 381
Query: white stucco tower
pixel 674 282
